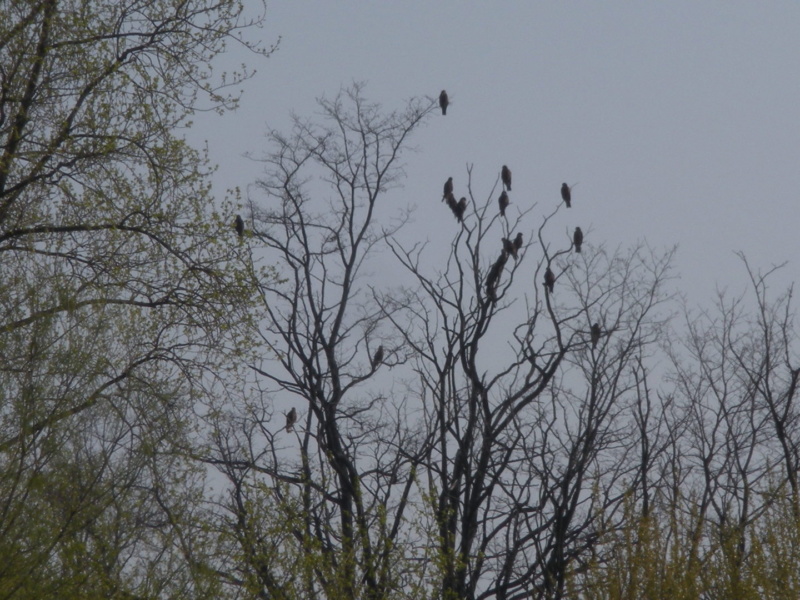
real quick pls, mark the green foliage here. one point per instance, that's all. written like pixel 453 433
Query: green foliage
pixel 672 555
pixel 122 291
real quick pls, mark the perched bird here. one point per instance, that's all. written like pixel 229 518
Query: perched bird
pixel 494 275
pixel 460 209
pixel 239 225
pixel 549 279
pixel 518 241
pixel 505 175
pixel 595 334
pixel 448 188
pixel 451 201
pixel 443 102
pixel 566 194
pixel 577 239
pixel 291 419
pixel 510 248
pixel 504 202
pixel 377 358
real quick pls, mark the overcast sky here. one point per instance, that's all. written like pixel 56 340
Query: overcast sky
pixel 680 121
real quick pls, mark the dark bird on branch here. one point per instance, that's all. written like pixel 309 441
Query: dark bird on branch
pixel 518 241
pixel 443 102
pixel 566 194
pixel 291 419
pixel 448 188
pixel 460 209
pixel 239 225
pixel 549 279
pixel 577 239
pixel 494 275
pixel 595 334
pixel 451 201
pixel 504 202
pixel 510 248
pixel 377 358
pixel 505 175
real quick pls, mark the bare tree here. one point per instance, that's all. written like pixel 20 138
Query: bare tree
pixel 527 440
pixel 717 515
pixel 736 378
pixel 342 479
pixel 486 475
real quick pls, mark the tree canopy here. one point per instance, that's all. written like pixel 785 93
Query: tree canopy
pixel 120 287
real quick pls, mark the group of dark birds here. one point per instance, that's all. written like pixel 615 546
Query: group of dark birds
pixel 458 207
pixel 510 248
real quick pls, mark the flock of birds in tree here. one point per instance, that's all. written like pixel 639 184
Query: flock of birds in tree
pixel 510 248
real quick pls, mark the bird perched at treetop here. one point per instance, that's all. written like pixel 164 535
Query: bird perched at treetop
pixel 494 275
pixel 510 248
pixel 377 358
pixel 443 102
pixel 291 419
pixel 577 239
pixel 549 279
pixel 504 202
pixel 518 241
pixel 239 225
pixel 566 194
pixel 505 175
pixel 595 334
pixel 460 209
pixel 448 188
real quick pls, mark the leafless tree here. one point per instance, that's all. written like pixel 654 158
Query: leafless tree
pixel 343 479
pixel 506 428
pixel 486 474
pixel 736 376
pixel 528 437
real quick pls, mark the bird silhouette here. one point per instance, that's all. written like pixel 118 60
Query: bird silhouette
pixel 460 209
pixel 577 239
pixel 566 194
pixel 595 334
pixel 291 419
pixel 494 275
pixel 239 225
pixel 518 241
pixel 448 188
pixel 549 279
pixel 443 102
pixel 510 248
pixel 504 202
pixel 377 358
pixel 505 175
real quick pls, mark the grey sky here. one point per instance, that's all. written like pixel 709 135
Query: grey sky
pixel 680 121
